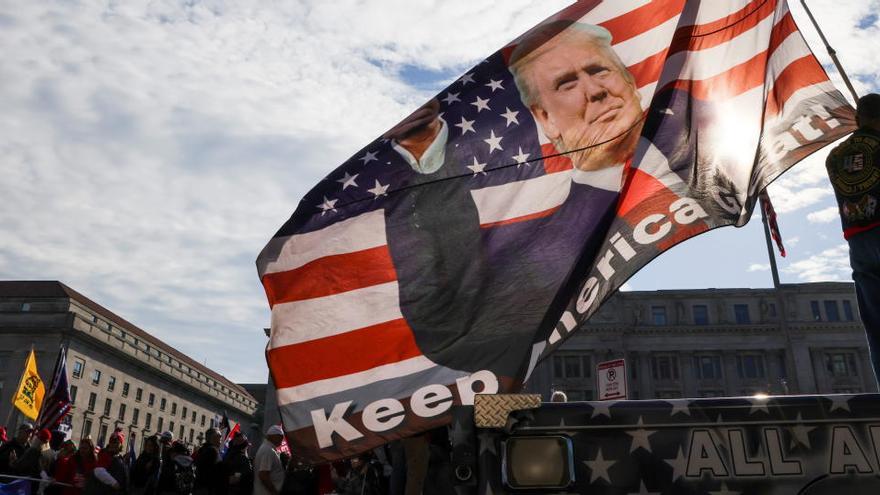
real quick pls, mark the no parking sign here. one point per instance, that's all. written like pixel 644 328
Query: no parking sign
pixel 612 380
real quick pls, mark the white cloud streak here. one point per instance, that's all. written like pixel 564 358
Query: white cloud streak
pixel 825 215
pixel 150 149
pixel 830 264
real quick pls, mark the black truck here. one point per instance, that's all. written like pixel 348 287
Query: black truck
pixel 818 444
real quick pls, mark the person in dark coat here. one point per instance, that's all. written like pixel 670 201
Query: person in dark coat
pixel 11 451
pixel 361 479
pixel 211 477
pixel 145 471
pixel 238 467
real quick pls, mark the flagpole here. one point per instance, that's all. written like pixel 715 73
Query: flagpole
pixel 832 53
pixel 773 269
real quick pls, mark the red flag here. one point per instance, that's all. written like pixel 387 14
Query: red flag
pixel 770 214
pixel 449 256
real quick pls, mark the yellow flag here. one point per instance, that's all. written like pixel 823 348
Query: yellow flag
pixel 31 390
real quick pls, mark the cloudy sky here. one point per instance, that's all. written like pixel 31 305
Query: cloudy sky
pixel 149 149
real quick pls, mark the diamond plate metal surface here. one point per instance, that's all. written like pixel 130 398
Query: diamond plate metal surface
pixel 492 410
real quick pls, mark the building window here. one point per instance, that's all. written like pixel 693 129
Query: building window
pixel 93 397
pixel 182 431
pixel 192 433
pixel 102 435
pixel 108 404
pixel 96 377
pixel 841 364
pixel 831 311
pixel 147 420
pixel 814 307
pixel 152 400
pixel 79 367
pixel 73 391
pixel 87 428
pixel 159 423
pixel 771 310
pixel 125 387
pixel 138 394
pixel 193 417
pixel 202 423
pixel 573 367
pixel 741 314
pixel 750 366
pixel 183 413
pixel 111 383
pixel 162 404
pixel 658 315
pixel 783 369
pixel 121 412
pixel 569 366
pixel 708 367
pixel 135 415
pixel 665 368
pixel 171 427
pixel 701 314
pixel 847 310
pixel 174 408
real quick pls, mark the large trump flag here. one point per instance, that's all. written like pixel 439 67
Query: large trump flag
pixel 450 255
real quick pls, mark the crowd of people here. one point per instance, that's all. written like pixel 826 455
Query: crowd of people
pixel 57 466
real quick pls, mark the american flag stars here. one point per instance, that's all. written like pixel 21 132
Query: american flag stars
pixel 451 98
pixel 481 104
pixel 495 85
pixel 379 189
pixel 510 116
pixel 477 167
pixel 521 158
pixel 369 156
pixel 328 205
pixel 466 126
pixel 494 142
pixel 348 181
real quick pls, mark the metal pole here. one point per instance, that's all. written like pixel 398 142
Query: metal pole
pixel 773 269
pixel 832 53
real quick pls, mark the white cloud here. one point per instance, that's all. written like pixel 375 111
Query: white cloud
pixel 825 215
pixel 758 267
pixel 830 264
pixel 150 149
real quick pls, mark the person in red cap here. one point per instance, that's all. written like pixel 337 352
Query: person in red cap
pixel 110 475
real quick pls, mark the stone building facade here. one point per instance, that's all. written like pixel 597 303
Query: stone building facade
pixel 797 339
pixel 120 376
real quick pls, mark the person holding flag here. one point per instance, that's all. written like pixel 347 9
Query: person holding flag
pixel 854 170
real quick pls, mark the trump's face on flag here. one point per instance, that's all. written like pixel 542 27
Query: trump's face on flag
pixel 580 93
